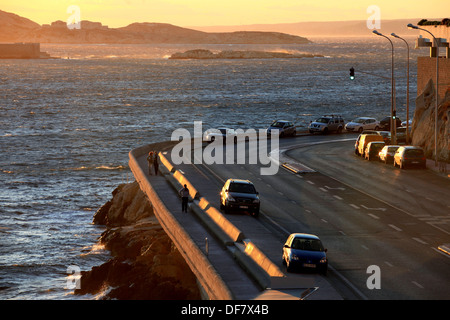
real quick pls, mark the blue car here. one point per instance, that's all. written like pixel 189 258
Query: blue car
pixel 305 251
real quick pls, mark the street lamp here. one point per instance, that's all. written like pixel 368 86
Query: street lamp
pixel 407 89
pixel 393 111
pixel 411 26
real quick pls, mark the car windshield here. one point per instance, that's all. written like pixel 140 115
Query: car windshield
pixel 323 120
pixel 414 153
pixel 242 188
pixel 307 244
pixel 392 149
pixel 359 120
pixel 277 124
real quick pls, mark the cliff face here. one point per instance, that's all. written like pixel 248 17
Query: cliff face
pixel 422 130
pixel 13 27
pixel 145 264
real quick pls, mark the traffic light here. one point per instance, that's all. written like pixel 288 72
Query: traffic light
pixel 352 73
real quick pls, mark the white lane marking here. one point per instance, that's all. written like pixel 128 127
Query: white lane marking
pixel 337 197
pixel 373 216
pixel 338 188
pixel 420 240
pixel 394 227
pixel 378 209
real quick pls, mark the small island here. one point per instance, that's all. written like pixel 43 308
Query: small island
pixel 232 54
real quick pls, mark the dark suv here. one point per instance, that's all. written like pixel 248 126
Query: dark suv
pixel 238 194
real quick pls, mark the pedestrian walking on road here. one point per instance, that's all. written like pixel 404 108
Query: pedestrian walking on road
pixel 184 193
pixel 155 162
pixel 150 162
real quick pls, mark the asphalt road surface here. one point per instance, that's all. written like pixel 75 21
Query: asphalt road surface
pixel 382 226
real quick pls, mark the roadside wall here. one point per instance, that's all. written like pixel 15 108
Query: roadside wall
pixel 426 70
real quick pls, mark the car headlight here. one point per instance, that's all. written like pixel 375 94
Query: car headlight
pixel 230 198
pixel 294 257
pixel 256 201
pixel 323 260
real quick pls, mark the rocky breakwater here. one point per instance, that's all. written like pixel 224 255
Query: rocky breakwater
pixel 145 264
pixel 423 125
pixel 235 54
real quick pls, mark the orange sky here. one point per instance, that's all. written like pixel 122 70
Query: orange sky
pixel 119 13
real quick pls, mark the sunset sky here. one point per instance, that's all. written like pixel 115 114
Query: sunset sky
pixel 119 13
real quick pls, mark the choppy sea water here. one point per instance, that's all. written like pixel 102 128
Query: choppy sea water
pixel 67 125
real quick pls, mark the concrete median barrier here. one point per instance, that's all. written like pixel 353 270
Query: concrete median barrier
pixel 230 229
pixel 165 162
pixel 262 260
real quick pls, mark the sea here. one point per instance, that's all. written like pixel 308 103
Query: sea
pixel 67 125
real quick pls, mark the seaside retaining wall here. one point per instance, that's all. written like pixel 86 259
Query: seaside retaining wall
pixel 20 50
pixel 207 276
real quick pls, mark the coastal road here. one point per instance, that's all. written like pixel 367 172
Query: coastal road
pixel 370 216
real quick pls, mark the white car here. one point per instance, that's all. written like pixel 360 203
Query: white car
pixel 362 123
pixel 225 133
pixel 409 122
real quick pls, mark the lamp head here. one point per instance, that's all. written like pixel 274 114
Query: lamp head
pixel 394 35
pixel 411 26
pixel 376 32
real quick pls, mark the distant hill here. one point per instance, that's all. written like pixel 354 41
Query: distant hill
pixel 323 29
pixel 14 28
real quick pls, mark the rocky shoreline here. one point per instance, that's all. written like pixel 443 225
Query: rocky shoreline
pixel 145 264
pixel 236 54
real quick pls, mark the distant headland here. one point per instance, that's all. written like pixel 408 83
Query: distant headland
pixel 14 28
pixel 232 54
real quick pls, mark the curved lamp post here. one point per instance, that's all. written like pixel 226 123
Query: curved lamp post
pixel 392 122
pixel 407 89
pixel 411 26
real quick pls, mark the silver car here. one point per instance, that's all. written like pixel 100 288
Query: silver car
pixel 285 128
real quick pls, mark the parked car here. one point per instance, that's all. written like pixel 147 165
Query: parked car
pixel 403 124
pixel 385 123
pixel 326 124
pixel 362 123
pixel 364 139
pixel 286 128
pixel 238 194
pixel 226 133
pixel 386 136
pixel 407 156
pixel 373 149
pixel 386 154
pixel 401 134
pixel 302 250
